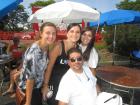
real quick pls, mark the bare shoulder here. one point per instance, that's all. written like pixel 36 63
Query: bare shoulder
pixel 56 49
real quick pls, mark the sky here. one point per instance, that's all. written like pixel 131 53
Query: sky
pixel 100 5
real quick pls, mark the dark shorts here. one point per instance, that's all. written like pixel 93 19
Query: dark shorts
pixel 36 97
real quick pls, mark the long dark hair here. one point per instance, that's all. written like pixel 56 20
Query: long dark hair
pixel 86 53
pixel 72 25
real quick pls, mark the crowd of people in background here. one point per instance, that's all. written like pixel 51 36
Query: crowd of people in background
pixel 48 68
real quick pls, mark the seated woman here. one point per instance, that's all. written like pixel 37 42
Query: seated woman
pixel 14 75
pixel 17 51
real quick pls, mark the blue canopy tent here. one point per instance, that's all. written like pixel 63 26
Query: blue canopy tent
pixel 117 17
pixel 8 5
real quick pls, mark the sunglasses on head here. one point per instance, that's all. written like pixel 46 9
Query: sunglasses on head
pixel 76 59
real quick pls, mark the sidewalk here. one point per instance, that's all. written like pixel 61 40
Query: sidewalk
pixel 6 100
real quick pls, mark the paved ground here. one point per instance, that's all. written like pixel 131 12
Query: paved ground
pixel 6 100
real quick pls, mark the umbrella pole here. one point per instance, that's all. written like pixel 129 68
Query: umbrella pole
pixel 114 45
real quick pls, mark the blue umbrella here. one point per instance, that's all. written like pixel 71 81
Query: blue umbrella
pixel 8 5
pixel 117 17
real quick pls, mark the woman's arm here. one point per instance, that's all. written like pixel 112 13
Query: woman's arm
pixel 30 60
pixel 53 55
pixel 93 70
pixel 98 88
pixel 29 89
pixel 93 61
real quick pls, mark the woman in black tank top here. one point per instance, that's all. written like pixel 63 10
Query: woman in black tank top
pixel 58 66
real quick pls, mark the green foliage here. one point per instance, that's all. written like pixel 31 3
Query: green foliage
pixel 14 20
pixel 127 36
pixel 129 5
pixel 42 3
pixel 100 46
pixel 21 7
pixel 108 37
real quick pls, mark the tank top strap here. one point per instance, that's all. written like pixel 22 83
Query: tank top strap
pixel 63 47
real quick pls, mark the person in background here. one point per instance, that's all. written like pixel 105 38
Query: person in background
pixel 78 85
pixel 35 63
pixel 57 65
pixel 90 54
pixel 14 75
pixel 16 50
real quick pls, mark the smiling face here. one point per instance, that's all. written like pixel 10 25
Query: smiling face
pixel 73 34
pixel 48 35
pixel 75 61
pixel 86 38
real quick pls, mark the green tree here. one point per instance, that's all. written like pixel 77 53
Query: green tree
pixel 129 5
pixel 15 20
pixel 127 35
pixel 42 3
